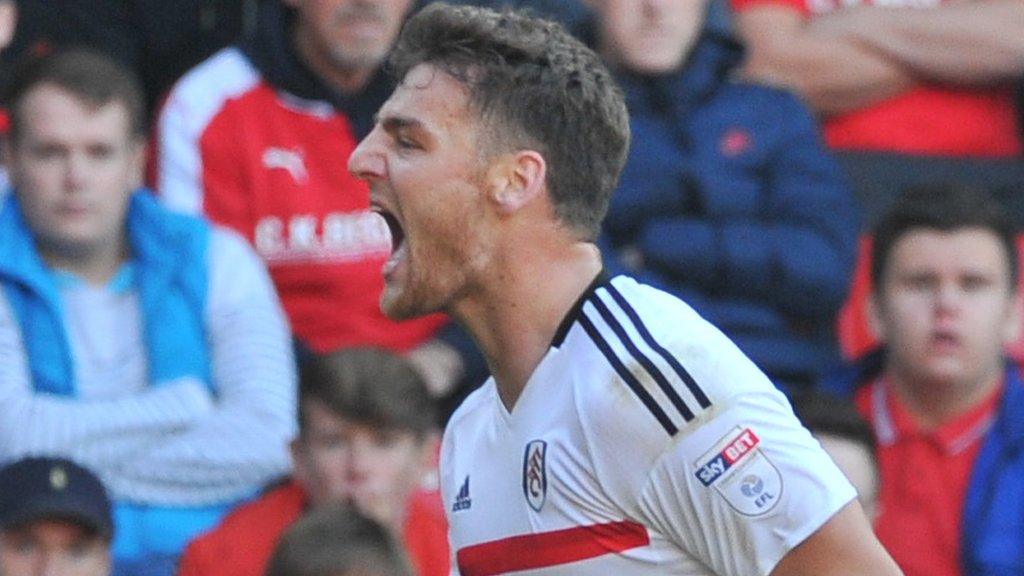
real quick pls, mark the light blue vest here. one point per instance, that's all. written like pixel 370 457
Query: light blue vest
pixel 169 254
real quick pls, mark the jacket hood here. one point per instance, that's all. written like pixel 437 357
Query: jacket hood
pixel 718 45
pixel 272 52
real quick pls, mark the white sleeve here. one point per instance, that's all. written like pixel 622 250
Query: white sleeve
pixel 100 434
pixel 193 103
pixel 179 172
pixel 242 443
pixel 745 487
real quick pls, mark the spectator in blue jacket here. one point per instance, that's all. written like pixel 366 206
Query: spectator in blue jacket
pixel 147 345
pixel 946 406
pixel 728 198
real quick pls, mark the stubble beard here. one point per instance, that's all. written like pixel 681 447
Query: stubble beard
pixel 417 296
pixel 446 279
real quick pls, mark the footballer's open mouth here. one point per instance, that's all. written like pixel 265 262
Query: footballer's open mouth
pixel 398 244
pixel 394 227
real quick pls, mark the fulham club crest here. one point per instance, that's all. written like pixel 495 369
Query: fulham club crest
pixel 535 474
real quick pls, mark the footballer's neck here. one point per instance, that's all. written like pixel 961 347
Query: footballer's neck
pixel 515 316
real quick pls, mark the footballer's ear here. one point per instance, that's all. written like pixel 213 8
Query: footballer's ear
pixel 517 178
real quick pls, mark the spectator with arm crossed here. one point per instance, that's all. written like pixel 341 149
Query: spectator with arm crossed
pixel 928 77
pixel 910 92
pixel 145 344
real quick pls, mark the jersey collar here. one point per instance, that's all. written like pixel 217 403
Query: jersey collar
pixel 893 421
pixel 601 279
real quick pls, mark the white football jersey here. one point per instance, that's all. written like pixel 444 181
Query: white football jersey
pixel 644 443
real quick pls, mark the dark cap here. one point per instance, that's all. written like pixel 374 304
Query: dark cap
pixel 40 488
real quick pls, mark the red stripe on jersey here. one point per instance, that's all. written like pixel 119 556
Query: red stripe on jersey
pixel 531 551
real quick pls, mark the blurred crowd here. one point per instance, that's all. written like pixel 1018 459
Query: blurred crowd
pixel 195 375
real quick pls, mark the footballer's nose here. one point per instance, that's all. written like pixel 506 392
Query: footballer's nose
pixel 367 160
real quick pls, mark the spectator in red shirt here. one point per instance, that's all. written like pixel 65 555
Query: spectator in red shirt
pixel 367 437
pixel 946 407
pixel 910 92
pixel 256 138
pixel 920 77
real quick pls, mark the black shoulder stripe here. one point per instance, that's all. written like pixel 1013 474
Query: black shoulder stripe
pixel 631 381
pixel 691 384
pixel 601 279
pixel 642 358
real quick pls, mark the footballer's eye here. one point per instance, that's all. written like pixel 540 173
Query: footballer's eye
pixel 403 138
pixel 406 143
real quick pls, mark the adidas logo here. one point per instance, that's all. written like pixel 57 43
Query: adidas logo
pixel 462 499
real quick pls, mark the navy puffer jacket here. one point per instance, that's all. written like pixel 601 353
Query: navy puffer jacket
pixel 730 200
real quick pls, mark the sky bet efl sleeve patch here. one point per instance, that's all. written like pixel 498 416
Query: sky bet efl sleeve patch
pixel 741 473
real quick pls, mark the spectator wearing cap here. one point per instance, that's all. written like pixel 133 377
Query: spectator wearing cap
pixel 55 519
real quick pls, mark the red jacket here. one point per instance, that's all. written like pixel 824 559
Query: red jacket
pixel 244 541
pixel 258 143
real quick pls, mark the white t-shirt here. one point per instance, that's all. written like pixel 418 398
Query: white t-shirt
pixel 646 443
pixel 177 443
